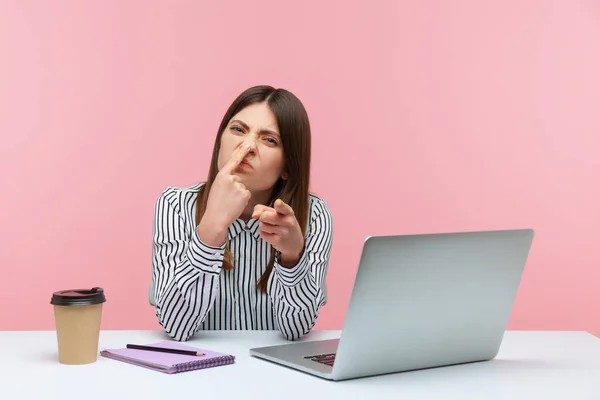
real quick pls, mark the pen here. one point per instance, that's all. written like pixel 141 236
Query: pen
pixel 165 350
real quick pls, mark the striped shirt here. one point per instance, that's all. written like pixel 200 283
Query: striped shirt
pixel 193 292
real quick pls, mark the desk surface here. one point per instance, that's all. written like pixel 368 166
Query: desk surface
pixel 530 365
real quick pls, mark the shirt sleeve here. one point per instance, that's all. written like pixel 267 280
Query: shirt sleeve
pixel 185 271
pixel 298 292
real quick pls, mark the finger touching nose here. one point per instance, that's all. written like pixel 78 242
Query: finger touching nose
pixel 251 143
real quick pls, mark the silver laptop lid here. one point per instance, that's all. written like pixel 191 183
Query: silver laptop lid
pixel 430 300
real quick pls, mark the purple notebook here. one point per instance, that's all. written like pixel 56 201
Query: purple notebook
pixel 169 363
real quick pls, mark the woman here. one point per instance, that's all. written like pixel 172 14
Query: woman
pixel 248 248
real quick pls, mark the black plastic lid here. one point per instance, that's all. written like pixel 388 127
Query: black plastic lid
pixel 78 297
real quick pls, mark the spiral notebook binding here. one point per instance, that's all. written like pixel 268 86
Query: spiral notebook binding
pixel 214 362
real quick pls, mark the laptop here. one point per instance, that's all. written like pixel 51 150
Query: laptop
pixel 419 301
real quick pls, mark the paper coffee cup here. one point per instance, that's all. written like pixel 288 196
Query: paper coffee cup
pixel 77 315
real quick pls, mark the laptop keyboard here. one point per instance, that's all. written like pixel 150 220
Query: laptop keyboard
pixel 326 359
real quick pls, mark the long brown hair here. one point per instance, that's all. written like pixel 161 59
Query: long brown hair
pixel 294 128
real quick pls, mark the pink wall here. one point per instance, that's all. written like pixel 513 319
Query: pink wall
pixel 427 116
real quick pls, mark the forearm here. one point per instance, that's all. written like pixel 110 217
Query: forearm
pixel 297 299
pixel 184 301
pixel 212 232
pixel 186 288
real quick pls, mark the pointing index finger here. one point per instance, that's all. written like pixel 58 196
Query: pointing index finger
pixel 259 209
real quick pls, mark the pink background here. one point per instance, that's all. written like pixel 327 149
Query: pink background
pixel 427 116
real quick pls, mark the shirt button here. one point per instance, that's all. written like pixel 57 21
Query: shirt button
pixel 215 267
pixel 216 254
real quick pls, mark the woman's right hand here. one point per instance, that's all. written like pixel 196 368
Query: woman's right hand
pixel 227 199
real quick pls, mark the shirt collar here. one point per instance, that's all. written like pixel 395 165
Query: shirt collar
pixel 239 225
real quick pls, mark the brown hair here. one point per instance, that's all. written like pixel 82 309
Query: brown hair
pixel 294 128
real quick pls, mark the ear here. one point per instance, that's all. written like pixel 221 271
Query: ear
pixel 284 176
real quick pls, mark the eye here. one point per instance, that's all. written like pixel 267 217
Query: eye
pixel 237 129
pixel 272 141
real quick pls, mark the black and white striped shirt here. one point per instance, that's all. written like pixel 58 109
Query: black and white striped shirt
pixel 193 292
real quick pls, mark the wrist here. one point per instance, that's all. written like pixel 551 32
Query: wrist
pixel 211 233
pixel 290 259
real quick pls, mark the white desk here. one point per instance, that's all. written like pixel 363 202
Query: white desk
pixel 531 365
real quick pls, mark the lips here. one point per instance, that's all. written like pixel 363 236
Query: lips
pixel 246 164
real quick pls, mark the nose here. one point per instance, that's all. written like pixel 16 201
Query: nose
pixel 251 142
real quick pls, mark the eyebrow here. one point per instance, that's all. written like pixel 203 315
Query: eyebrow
pixel 245 126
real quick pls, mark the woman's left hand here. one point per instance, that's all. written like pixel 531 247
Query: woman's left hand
pixel 280 228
